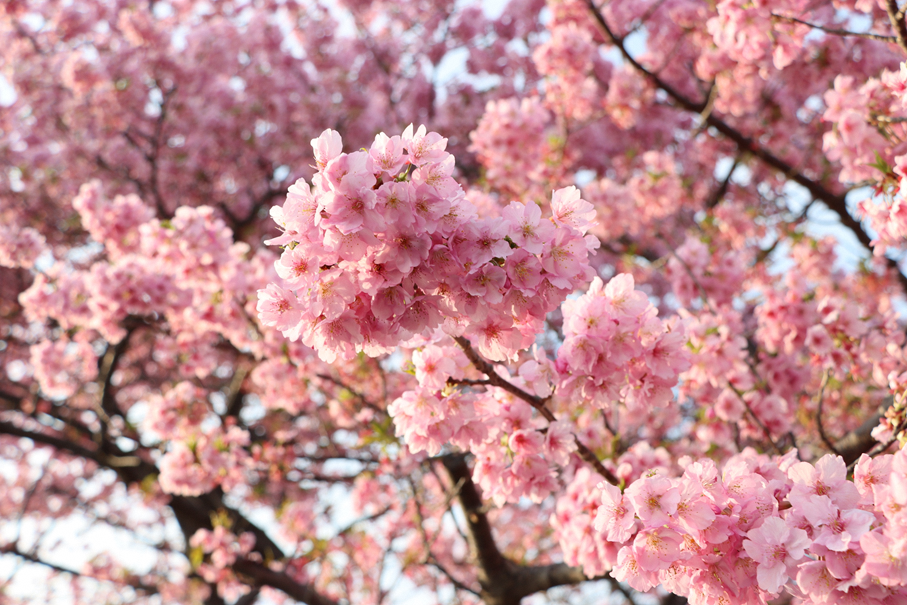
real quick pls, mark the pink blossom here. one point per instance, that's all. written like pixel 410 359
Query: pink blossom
pixel 836 528
pixel 326 147
pixel 827 478
pixel 423 146
pixel 615 516
pixel 775 547
pixel 433 367
pixel 569 209
pixel 526 227
pixel 280 308
pixel 387 153
pixel 497 338
pixel 657 548
pixel 886 558
pixel 630 571
pixel 486 282
pixel 538 372
pixel 559 442
pixel 654 498
pixel 526 442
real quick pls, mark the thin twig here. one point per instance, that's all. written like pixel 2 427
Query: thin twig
pixel 836 202
pixel 719 193
pixel 836 32
pixel 362 398
pixel 759 423
pixel 494 379
pixel 429 558
pixel 692 276
pixel 882 446
pixel 822 435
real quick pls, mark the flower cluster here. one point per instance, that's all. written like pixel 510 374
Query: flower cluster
pixel 652 193
pixel 20 247
pixel 748 33
pixel 385 246
pixel 223 548
pixel 868 141
pixel 62 367
pixel 515 452
pixel 616 349
pixel 741 534
pixel 569 55
pixel 719 273
pixel 201 455
pixel 113 222
pixel 513 143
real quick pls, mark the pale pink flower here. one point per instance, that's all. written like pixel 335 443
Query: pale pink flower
pixel 433 367
pixel 886 558
pixel 776 548
pixel 526 442
pixel 387 153
pixel 486 282
pixel 837 529
pixel 280 308
pixel 539 372
pixel 630 571
pixel 327 146
pixel 654 498
pixel 569 210
pixel 524 270
pixel 498 340
pixel 827 478
pixel 615 516
pixel 560 442
pixel 526 227
pixel 656 548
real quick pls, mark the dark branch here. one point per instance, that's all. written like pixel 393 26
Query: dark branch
pixel 503 581
pixel 537 402
pixel 831 447
pixel 262 575
pixel 836 202
pixel 191 512
pixel 860 440
pixel 836 32
pixel 12 549
pixel 108 365
pixel 896 16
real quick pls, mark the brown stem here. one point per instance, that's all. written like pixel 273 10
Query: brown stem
pixel 831 446
pixel 262 575
pixel 836 32
pixel 836 202
pixel 896 16
pixel 756 419
pixel 12 549
pixel 537 402
pixel 502 581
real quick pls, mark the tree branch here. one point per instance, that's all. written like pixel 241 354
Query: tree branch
pixel 821 397
pixel 836 202
pixel 108 364
pixel 896 16
pixel 503 581
pixel 12 549
pixel 191 512
pixel 262 575
pixel 537 402
pixel 836 32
